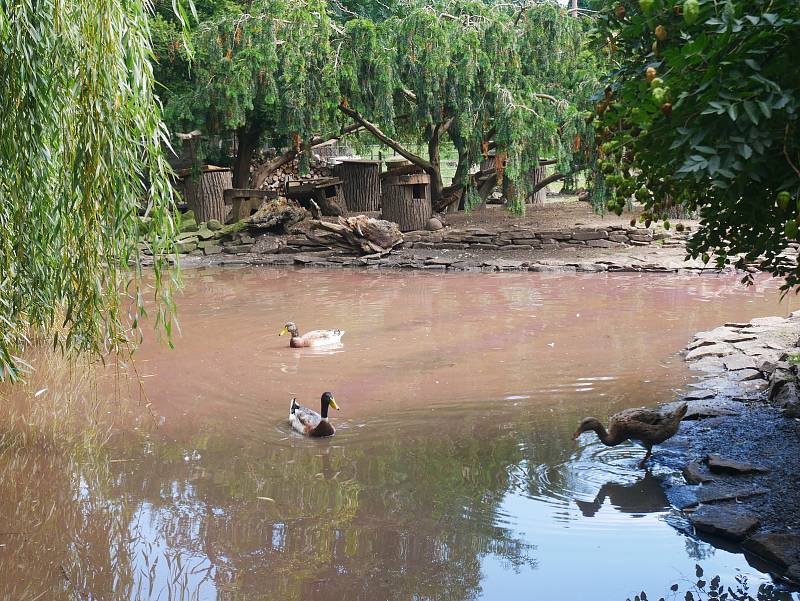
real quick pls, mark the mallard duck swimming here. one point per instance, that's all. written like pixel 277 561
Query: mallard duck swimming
pixel 645 425
pixel 311 339
pixel 311 423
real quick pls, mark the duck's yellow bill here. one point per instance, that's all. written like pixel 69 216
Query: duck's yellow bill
pixel 334 405
pixel 283 331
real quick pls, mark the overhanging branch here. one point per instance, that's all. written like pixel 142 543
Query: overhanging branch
pixel 393 144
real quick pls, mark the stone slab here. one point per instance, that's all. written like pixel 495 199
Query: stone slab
pixel 728 523
pixel 782 548
pixel 723 465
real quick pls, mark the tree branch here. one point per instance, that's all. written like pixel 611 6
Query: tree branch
pixel 393 144
pixel 548 180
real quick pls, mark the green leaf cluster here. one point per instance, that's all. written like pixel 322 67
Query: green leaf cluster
pixel 704 100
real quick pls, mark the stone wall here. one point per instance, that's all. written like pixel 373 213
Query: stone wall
pixel 520 238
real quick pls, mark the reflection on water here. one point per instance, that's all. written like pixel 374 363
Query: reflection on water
pixel 452 474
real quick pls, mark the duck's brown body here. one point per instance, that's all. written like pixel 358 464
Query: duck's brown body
pixel 314 338
pixel 644 425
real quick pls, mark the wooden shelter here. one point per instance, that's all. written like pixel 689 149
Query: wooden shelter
pixel 245 201
pixel 407 200
pixel 326 192
pixel 361 184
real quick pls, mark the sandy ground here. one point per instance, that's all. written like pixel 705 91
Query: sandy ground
pixel 557 212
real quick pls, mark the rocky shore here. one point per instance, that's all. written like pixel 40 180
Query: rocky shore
pixel 501 248
pixel 738 451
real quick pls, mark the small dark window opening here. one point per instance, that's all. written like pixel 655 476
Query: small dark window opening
pixel 330 192
pixel 418 191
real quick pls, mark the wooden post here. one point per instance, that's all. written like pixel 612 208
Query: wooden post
pixel 205 193
pixel 407 201
pixel 361 184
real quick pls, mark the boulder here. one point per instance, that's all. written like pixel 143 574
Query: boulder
pixel 214 225
pixel 212 249
pixel 782 548
pixel 433 225
pixel 779 380
pixel 786 395
pixel 726 522
pixel 721 465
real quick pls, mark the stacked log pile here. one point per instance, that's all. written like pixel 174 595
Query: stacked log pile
pixel 275 180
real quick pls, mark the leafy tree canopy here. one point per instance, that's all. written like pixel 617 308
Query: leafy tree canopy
pixel 476 72
pixel 702 110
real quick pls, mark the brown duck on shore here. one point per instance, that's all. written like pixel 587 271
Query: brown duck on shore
pixel 647 426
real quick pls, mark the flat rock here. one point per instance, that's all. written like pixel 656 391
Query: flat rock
pixel 722 465
pixel 782 548
pixel 695 473
pixel 700 395
pixel 713 350
pixel 503 264
pixel 441 261
pixel 767 321
pixel 712 407
pixel 745 375
pixel 714 493
pixel 729 523
pixel 737 362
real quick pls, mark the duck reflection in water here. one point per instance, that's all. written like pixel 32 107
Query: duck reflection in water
pixel 641 497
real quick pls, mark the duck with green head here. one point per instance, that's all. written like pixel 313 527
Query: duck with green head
pixel 309 422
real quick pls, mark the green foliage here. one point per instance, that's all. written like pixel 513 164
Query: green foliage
pixel 490 72
pixel 268 68
pixel 717 127
pixel 278 69
pixel 80 156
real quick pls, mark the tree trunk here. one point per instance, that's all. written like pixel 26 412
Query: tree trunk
pixel 248 143
pixel 361 184
pixel 407 201
pixel 535 177
pixel 205 194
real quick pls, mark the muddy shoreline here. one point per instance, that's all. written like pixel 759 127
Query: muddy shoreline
pixel 735 464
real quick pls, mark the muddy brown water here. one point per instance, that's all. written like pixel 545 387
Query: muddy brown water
pixel 452 475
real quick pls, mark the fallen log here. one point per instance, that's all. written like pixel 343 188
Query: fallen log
pixel 362 234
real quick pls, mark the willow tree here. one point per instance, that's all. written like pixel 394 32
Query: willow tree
pixel 80 158
pixel 486 76
pixel 264 72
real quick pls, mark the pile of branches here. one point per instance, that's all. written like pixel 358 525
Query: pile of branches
pixel 365 235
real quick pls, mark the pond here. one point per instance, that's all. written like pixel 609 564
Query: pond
pixel 453 473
